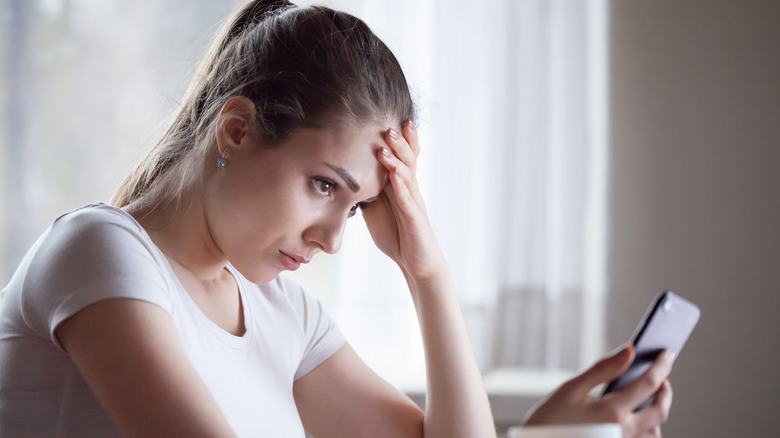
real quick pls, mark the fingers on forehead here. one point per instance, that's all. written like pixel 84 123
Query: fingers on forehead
pixel 400 147
pixel 410 134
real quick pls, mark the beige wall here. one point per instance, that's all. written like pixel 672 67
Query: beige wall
pixel 695 199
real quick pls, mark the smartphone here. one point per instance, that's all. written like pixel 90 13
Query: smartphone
pixel 666 325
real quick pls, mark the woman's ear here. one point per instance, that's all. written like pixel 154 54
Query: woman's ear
pixel 235 124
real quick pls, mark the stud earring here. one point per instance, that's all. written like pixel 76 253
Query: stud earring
pixel 222 162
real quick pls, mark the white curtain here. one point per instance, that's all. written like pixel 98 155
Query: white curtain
pixel 512 98
pixel 553 234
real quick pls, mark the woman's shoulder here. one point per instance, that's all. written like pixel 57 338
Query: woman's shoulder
pixel 90 254
pixel 95 235
pixel 319 335
pixel 95 228
pixel 95 216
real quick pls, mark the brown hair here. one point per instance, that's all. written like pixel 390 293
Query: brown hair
pixel 302 67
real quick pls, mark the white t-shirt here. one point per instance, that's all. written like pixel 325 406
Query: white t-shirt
pixel 100 252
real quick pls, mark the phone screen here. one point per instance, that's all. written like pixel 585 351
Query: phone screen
pixel 666 325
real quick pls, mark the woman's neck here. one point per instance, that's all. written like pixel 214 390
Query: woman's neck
pixel 181 231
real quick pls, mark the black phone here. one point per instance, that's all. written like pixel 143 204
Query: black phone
pixel 666 325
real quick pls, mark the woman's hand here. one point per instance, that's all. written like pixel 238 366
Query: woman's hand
pixel 397 220
pixel 571 403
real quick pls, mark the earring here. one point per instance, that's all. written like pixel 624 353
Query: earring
pixel 222 162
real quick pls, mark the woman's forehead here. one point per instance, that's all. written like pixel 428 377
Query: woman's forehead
pixel 343 140
pixel 349 151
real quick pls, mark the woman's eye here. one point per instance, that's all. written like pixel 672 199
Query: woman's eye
pixel 323 187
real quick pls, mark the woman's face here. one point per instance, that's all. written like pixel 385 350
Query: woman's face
pixel 273 208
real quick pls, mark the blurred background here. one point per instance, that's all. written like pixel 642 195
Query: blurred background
pixel 578 158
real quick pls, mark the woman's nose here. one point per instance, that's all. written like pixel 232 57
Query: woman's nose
pixel 327 233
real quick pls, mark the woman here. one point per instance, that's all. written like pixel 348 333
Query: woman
pixel 164 314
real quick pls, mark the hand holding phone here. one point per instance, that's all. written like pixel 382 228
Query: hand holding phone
pixel 666 325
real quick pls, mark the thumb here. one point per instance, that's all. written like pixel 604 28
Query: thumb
pixel 603 371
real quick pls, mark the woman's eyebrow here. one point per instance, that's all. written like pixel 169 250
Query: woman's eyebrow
pixel 351 183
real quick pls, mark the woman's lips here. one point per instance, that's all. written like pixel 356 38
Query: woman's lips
pixel 289 262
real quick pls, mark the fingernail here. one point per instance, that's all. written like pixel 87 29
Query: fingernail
pixel 393 134
pixel 411 124
pixel 386 152
pixel 672 355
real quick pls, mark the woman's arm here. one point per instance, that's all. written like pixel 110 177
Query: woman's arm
pixel 343 397
pixel 129 353
pixel 456 402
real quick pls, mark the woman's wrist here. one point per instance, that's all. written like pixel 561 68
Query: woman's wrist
pixel 434 278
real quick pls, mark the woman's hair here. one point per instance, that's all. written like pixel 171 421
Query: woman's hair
pixel 302 67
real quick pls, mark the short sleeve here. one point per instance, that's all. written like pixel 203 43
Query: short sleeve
pixel 92 254
pixel 322 337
